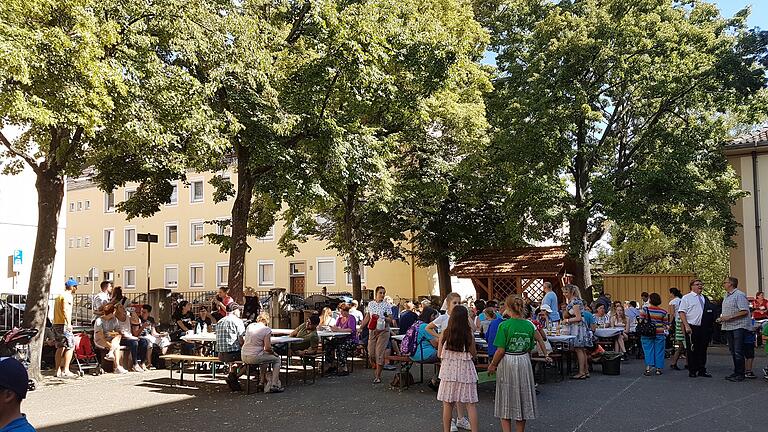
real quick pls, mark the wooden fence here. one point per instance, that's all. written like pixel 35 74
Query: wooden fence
pixel 629 286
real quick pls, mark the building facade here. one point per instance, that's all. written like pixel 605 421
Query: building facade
pixel 102 245
pixel 748 155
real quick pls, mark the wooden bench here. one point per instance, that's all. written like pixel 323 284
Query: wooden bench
pixel 183 359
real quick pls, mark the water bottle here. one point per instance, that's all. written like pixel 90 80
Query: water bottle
pixel 198 328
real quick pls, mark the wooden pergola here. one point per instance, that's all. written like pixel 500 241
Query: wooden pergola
pixel 497 273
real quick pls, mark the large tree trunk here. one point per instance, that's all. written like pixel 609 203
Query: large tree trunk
pixel 580 252
pixel 50 193
pixel 354 271
pixel 444 275
pixel 240 215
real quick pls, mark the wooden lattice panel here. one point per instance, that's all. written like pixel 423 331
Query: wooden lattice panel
pixel 534 288
pixel 503 287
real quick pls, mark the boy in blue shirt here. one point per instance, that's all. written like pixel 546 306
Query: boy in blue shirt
pixel 13 389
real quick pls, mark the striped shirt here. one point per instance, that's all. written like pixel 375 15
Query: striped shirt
pixel 733 303
pixel 658 318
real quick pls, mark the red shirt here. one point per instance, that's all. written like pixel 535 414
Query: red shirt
pixel 223 310
pixel 759 313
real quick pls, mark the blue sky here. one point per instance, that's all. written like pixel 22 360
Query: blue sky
pixel 758 17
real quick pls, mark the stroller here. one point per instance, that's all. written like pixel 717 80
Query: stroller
pixel 85 357
pixel 15 343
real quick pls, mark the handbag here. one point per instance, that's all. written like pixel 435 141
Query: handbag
pixel 646 327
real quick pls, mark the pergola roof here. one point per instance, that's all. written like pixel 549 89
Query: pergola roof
pixel 528 261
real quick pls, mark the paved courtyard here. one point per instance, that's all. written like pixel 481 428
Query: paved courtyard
pixel 629 402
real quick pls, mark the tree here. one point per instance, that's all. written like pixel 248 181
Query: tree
pixel 617 108
pixel 79 77
pixel 639 249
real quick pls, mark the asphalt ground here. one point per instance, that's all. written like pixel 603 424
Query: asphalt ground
pixel 628 402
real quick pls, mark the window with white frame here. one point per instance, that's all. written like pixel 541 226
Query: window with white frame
pixel 326 270
pixel 270 235
pixel 171 276
pixel 87 205
pixel 71 206
pixel 174 198
pixel 129 193
pixel 222 274
pixel 171 234
pixel 109 239
pixel 78 242
pixel 109 275
pixel 266 273
pixel 196 191
pixel 79 206
pixel 109 202
pixel 362 275
pixel 196 232
pixel 196 275
pixel 130 238
pixel 71 242
pixel 87 241
pixel 129 277
pixel 224 229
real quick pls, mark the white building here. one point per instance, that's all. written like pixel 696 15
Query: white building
pixel 18 231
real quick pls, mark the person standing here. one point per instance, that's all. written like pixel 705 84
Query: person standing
pixel 62 329
pixel 691 311
pixel 653 346
pixel 515 388
pixel 378 320
pixel 458 377
pixel 679 337
pixel 736 322
pixel 550 299
pixel 13 390
pixel 102 298
pixel 579 327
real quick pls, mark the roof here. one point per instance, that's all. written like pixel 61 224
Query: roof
pixel 548 260
pixel 756 138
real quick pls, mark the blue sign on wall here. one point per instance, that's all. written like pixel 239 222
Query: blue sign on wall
pixel 18 260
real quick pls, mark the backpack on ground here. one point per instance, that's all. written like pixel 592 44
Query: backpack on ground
pixel 410 340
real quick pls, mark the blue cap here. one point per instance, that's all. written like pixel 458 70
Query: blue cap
pixel 13 376
pixel 71 282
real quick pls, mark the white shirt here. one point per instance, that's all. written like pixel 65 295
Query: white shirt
pixel 357 314
pixel 253 344
pixel 441 322
pixel 675 303
pixel 100 300
pixel 693 306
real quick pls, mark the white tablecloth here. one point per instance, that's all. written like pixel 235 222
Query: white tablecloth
pixel 561 338
pixel 211 337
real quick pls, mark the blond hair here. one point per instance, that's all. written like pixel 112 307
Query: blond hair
pixel 263 317
pixel 515 305
pixel 573 290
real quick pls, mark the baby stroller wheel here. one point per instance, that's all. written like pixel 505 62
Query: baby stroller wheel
pixel 80 374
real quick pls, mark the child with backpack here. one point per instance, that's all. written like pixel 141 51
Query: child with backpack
pixel 458 377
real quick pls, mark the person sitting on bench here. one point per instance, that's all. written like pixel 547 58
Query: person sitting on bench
pixel 229 340
pixel 106 336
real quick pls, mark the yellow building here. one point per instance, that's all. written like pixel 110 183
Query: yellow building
pixel 101 242
pixel 748 155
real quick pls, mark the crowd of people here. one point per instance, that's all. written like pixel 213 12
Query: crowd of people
pixel 446 332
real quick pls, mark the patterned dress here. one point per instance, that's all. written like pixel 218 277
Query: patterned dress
pixel 458 377
pixel 579 329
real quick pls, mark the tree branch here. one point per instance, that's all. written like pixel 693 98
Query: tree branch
pixel 28 159
pixel 328 93
pixel 295 33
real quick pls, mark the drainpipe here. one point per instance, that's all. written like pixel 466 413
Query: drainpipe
pixel 758 236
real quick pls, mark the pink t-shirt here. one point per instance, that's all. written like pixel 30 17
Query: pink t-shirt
pixel 254 339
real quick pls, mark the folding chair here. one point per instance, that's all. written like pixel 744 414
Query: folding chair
pixel 85 356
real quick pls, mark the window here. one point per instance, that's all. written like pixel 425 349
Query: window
pixel 196 276
pixel 129 193
pixel 78 242
pixel 109 239
pixel 130 238
pixel 171 234
pixel 87 241
pixel 222 229
pixel 174 199
pixel 196 232
pixel 87 205
pixel 266 273
pixel 270 235
pixel 79 206
pixel 171 276
pixel 71 242
pixel 72 206
pixel 109 202
pixel 222 274
pixel 109 275
pixel 196 191
pixel 362 275
pixel 79 280
pixel 129 277
pixel 326 270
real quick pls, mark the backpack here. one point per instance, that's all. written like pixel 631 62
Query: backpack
pixel 410 340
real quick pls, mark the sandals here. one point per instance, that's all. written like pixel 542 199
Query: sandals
pixel 647 372
pixel 659 372
pixel 377 380
pixel 579 377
